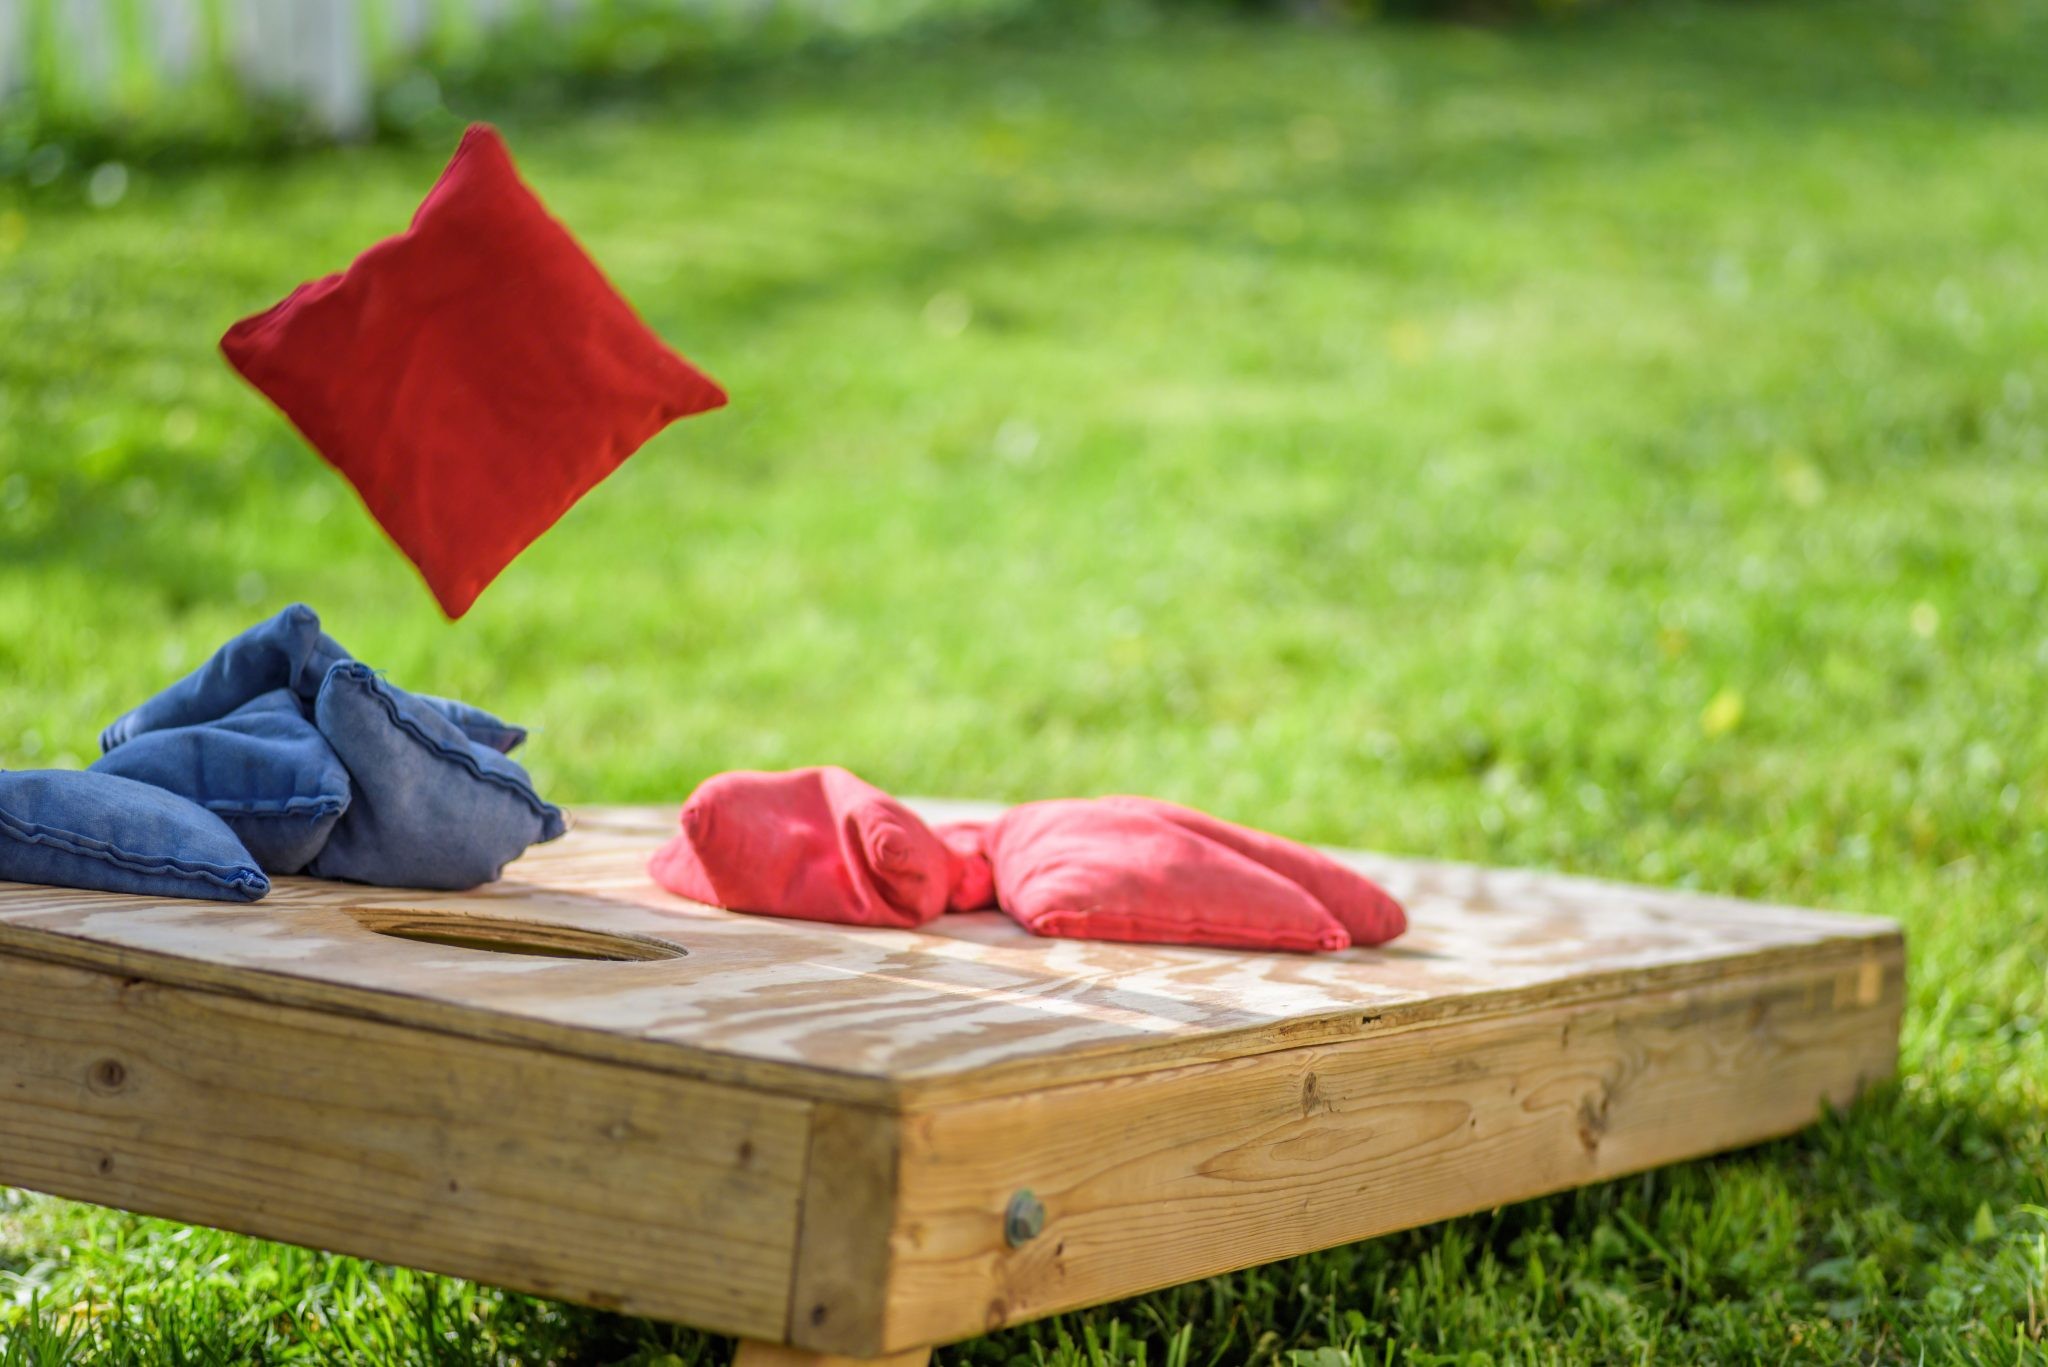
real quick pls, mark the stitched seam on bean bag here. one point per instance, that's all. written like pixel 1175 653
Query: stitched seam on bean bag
pixel 85 847
pixel 467 761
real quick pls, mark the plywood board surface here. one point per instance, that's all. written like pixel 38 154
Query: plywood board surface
pixel 970 1007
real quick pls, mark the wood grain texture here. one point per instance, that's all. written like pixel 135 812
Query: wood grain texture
pixel 971 1007
pixel 1168 1176
pixel 637 1191
pixel 849 1207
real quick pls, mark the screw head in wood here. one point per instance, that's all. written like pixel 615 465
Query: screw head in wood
pixel 1024 1218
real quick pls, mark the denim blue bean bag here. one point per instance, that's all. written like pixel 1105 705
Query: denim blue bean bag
pixel 76 829
pixel 264 769
pixel 432 808
pixel 289 651
pixel 243 736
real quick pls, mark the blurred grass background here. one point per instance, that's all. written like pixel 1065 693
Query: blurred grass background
pixel 1614 445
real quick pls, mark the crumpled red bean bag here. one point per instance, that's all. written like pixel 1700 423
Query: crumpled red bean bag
pixel 1087 869
pixel 472 377
pixel 822 845
pixel 1368 914
pixel 815 844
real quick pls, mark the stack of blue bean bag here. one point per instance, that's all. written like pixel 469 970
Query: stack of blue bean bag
pixel 280 755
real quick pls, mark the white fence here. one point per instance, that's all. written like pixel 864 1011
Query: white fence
pixel 128 57
pixel 322 54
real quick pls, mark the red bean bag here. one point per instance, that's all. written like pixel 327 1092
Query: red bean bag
pixel 974 887
pixel 1086 869
pixel 815 844
pixel 821 845
pixel 1368 914
pixel 472 377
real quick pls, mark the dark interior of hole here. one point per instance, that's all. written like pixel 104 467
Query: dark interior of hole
pixel 510 942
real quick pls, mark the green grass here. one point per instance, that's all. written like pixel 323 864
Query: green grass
pixel 1618 446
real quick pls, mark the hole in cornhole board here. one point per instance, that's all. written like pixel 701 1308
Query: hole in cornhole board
pixel 502 935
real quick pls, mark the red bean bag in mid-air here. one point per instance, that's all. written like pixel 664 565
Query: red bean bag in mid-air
pixel 472 377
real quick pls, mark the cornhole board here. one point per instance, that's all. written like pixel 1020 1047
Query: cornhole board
pixel 834 1142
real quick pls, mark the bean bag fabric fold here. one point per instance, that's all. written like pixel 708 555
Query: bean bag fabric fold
pixel 288 651
pixel 1369 916
pixel 432 808
pixel 813 844
pixel 1085 869
pixel 263 769
pixel 973 881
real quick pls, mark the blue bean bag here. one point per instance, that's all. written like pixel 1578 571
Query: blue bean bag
pixel 432 808
pixel 289 651
pixel 72 828
pixel 264 769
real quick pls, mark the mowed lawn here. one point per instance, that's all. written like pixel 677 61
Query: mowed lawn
pixel 1617 445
